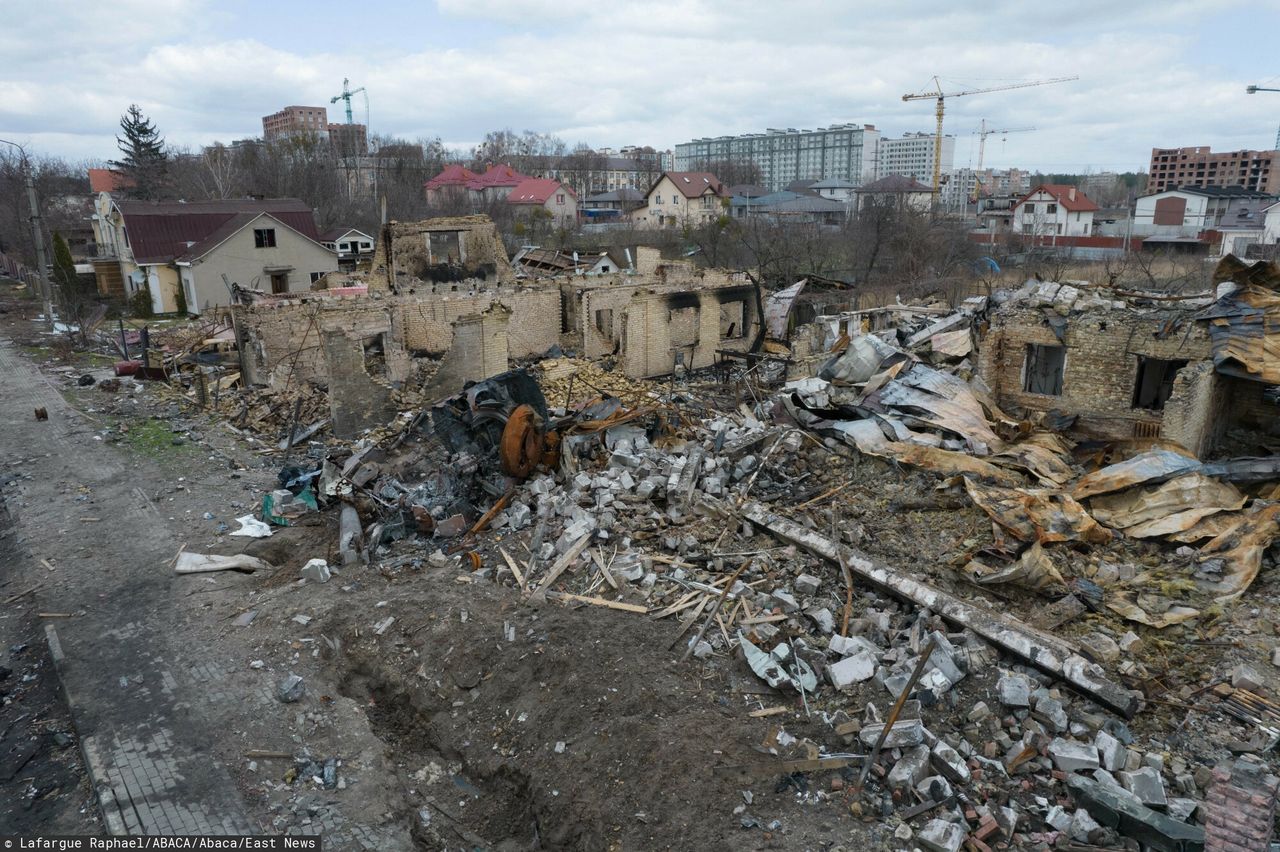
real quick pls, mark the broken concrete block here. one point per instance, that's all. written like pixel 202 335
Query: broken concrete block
pixel 290 689
pixel 979 712
pixel 1130 643
pixel 850 670
pixel 934 788
pixel 807 584
pixel 1050 711
pixel 907 732
pixel 316 570
pixel 1132 819
pixel 910 768
pixel 1014 690
pixel 822 618
pixel 1100 647
pixel 848 645
pixel 948 762
pixel 1072 756
pixel 1146 784
pixel 1082 825
pixel 1182 809
pixel 452 526
pixel 785 601
pixel 944 658
pixel 942 836
pixel 1058 818
pixel 1245 676
pixel 1111 752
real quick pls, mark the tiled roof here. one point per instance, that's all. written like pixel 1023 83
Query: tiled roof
pixel 895 183
pixel 1072 198
pixel 694 184
pixel 108 180
pixel 536 191
pixel 162 231
pixel 452 175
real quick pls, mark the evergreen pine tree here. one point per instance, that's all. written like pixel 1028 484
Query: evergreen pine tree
pixel 145 160
pixel 64 268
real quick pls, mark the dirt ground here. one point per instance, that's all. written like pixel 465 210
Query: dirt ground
pixel 456 714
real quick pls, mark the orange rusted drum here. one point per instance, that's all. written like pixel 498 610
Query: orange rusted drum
pixel 522 442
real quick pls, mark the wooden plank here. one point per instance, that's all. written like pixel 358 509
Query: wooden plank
pixel 562 564
pixel 595 601
pixel 683 603
pixel 764 619
pixel 515 569
pixel 767 711
pixel 598 558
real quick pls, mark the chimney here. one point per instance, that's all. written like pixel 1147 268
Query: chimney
pixel 1072 194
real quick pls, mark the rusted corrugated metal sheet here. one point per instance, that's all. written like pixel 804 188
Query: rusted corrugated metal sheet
pixel 1244 327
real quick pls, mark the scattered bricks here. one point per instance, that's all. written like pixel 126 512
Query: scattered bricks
pixel 987 827
pixel 979 712
pixel 1241 806
pixel 1245 676
pixel 1072 756
pixel 1100 647
pixel 1130 643
pixel 807 584
pixel 907 732
pixel 941 836
pixel 1014 690
pixel 1111 752
pixel 1058 818
pixel 910 768
pixel 856 669
pixel 943 658
pixel 822 618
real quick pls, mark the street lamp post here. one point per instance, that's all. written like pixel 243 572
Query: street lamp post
pixel 37 233
pixel 1253 90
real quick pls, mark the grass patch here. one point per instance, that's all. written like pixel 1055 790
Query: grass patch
pixel 154 439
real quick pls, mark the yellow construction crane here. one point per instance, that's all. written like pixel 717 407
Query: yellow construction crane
pixel 983 133
pixel 941 96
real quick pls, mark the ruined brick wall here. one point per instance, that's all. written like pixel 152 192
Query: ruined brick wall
pixel 427 320
pixel 1101 363
pixel 1241 806
pixel 357 399
pixel 406 251
pixel 1246 406
pixel 661 324
pixel 480 350
pixel 1193 416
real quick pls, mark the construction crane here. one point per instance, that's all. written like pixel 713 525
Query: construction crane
pixel 983 133
pixel 1253 90
pixel 347 92
pixel 941 97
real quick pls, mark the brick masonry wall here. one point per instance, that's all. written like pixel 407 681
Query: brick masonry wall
pixel 1241 807
pixel 1193 414
pixel 1101 363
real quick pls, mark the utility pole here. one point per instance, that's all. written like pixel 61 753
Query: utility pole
pixel 37 234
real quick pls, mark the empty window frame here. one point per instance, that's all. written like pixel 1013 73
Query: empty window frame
pixel 1042 369
pixel 264 237
pixel 1154 383
pixel 732 315
pixel 604 323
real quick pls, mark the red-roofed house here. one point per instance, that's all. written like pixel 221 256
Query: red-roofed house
pixel 109 180
pixel 496 183
pixel 685 198
pixel 546 194
pixel 449 185
pixel 179 251
pixel 1054 210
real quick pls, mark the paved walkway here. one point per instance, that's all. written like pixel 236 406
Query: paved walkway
pixel 135 694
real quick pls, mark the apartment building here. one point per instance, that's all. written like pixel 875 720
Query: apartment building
pixel 912 156
pixel 294 121
pixel 1258 171
pixel 841 151
pixel 963 185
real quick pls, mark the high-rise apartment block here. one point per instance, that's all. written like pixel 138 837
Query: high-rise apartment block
pixel 912 156
pixel 294 121
pixel 1253 170
pixel 844 151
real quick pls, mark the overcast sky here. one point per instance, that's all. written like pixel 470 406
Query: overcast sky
pixel 657 72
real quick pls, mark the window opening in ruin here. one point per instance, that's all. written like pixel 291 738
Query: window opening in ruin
pixel 1043 368
pixel 445 247
pixel 732 320
pixel 604 323
pixel 375 356
pixel 1154 383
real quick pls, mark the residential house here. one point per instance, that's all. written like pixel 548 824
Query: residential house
pixel 1054 210
pixel 179 251
pixel 835 189
pixel 451 185
pixel 1189 210
pixel 557 200
pixel 613 205
pixel 787 206
pixel 896 191
pixel 350 246
pixel 457 182
pixel 684 198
